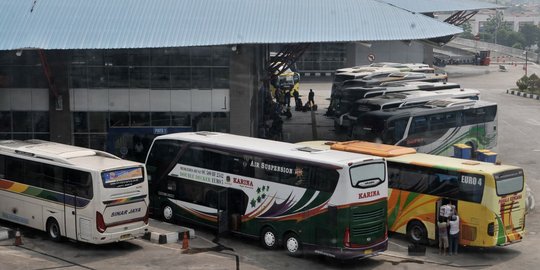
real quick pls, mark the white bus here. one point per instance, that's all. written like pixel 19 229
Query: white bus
pixel 72 192
pixel 399 100
pixel 330 203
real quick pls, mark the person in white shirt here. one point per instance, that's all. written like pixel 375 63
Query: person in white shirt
pixel 453 234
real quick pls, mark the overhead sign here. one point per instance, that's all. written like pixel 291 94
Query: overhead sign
pixel 371 57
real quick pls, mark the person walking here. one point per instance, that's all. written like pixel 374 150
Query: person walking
pixel 442 227
pixel 453 236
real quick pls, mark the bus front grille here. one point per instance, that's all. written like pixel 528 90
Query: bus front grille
pixel 368 230
pixel 359 217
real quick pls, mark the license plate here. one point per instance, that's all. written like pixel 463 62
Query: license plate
pixel 368 251
pixel 125 236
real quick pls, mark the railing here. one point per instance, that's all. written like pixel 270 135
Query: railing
pixel 481 46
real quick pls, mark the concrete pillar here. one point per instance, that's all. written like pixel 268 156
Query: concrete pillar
pixel 350 54
pixel 243 91
pixel 59 111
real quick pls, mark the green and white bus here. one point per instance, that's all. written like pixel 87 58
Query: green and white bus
pixel 434 127
pixel 330 203
pixel 73 192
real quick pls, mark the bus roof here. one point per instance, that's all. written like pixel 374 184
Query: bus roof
pixel 269 147
pixel 450 163
pixel 410 156
pixel 418 95
pixel 369 148
pixel 429 108
pixel 64 154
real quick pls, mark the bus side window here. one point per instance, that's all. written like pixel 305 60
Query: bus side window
pixel 14 169
pixel 324 179
pixel 52 178
pixel 2 167
pixel 79 183
pixel 33 173
pixel 419 125
pixel 393 177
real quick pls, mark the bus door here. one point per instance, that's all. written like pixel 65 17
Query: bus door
pixel 223 211
pixel 70 211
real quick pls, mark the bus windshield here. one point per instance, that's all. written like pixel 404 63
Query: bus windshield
pixel 122 178
pixel 369 175
pixel 509 182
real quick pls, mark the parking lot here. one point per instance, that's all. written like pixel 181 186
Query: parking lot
pixel 518 126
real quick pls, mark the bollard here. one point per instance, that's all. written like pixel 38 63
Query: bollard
pixel 185 241
pixel 18 239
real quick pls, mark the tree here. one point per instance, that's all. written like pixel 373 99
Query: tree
pixel 467 30
pixel 494 24
pixel 531 34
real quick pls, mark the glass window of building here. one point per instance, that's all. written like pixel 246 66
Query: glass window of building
pixel 119 119
pixel 40 121
pixel 201 78
pixel 22 122
pixel 161 78
pixel 181 119
pixel 201 56
pixel 180 78
pixel 97 121
pixel 162 119
pixel 140 119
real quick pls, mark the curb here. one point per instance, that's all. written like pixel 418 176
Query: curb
pixel 168 237
pixel 522 94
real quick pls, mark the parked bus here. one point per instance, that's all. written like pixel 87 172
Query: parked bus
pixel 433 127
pixel 331 203
pixel 384 78
pixel 489 198
pixel 342 100
pixel 399 100
pixel 73 192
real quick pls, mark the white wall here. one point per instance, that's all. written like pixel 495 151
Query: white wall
pixel 144 100
pixel 390 51
pixel 24 99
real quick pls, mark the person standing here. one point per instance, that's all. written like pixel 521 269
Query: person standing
pixel 453 236
pixel 442 227
pixel 311 97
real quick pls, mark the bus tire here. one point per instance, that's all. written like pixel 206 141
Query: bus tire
pixel 269 238
pixel 167 213
pixel 293 245
pixel 416 232
pixel 53 230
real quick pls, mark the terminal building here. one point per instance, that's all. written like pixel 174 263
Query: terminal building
pixel 111 76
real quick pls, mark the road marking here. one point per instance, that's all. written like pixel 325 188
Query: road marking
pixel 533 122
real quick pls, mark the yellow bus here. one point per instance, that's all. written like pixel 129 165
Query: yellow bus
pixel 489 198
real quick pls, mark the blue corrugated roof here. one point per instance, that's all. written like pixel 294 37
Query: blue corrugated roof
pixel 428 6
pixel 84 24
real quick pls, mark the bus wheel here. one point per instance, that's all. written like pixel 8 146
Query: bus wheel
pixel 293 245
pixel 268 238
pixel 53 230
pixel 167 213
pixel 417 233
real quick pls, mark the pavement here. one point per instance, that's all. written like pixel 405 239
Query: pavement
pixel 322 128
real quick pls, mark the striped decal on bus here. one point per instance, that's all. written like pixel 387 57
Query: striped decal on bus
pixel 43 194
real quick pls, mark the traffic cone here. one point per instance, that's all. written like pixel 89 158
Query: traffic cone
pixel 185 241
pixel 18 239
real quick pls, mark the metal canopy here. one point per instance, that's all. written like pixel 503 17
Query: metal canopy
pixel 115 24
pixel 430 6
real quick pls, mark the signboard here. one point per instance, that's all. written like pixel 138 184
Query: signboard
pixel 371 57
